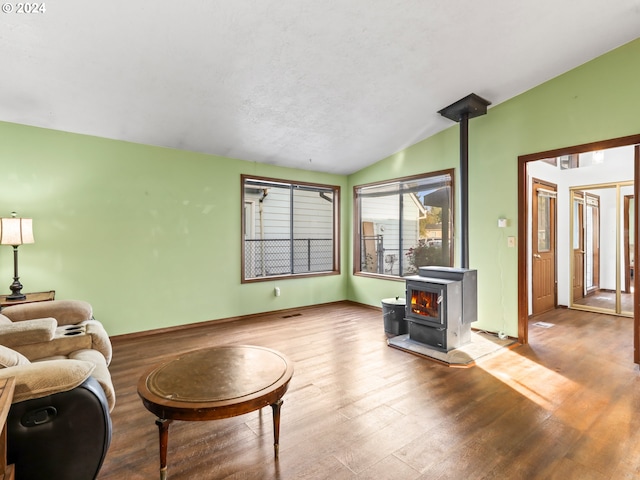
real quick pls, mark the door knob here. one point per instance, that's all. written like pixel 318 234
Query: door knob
pixel 535 255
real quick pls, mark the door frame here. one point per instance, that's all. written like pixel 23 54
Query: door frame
pixel 583 193
pixel 523 205
pixel 625 240
pixel 595 242
pixel 576 224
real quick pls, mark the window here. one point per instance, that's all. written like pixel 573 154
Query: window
pixel 288 229
pixel 404 224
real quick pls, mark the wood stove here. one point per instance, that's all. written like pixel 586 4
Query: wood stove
pixel 441 304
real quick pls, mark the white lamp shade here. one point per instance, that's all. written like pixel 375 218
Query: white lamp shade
pixel 16 231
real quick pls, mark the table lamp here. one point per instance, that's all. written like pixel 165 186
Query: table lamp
pixel 16 231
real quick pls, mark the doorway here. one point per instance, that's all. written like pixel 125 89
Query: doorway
pixel 598 250
pixel 569 159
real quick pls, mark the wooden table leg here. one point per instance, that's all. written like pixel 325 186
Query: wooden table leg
pixel 276 426
pixel 163 430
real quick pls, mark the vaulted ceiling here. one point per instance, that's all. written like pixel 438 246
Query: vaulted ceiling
pixel 332 85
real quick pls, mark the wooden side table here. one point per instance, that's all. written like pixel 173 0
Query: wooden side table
pixel 6 396
pixel 31 297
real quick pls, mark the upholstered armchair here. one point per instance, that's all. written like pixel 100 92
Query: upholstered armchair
pixel 59 425
pixel 46 329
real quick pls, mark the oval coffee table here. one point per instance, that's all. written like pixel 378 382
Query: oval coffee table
pixel 214 383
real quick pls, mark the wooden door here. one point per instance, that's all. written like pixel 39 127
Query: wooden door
pixel 578 245
pixel 543 247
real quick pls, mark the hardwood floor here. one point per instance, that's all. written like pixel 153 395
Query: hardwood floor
pixel 565 406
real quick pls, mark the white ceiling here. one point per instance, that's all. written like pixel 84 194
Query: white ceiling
pixel 331 85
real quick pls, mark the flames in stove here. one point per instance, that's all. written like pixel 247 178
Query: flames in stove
pixel 426 304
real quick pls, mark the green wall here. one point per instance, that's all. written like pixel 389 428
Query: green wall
pixel 150 236
pixel 596 101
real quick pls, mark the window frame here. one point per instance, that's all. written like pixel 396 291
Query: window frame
pixel 335 189
pixel 357 221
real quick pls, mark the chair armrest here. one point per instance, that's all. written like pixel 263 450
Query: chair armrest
pixel 99 338
pixel 27 332
pixel 40 379
pixel 101 373
pixel 66 312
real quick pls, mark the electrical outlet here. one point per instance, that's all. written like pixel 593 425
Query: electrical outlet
pixel 511 242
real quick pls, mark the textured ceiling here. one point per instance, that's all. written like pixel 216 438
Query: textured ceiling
pixel 332 85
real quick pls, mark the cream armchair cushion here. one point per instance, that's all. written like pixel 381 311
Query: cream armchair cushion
pixel 27 332
pixel 39 379
pixel 47 377
pixel 66 312
pixel 53 347
pixel 28 328
pixel 11 358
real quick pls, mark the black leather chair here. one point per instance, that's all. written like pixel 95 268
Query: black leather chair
pixel 63 436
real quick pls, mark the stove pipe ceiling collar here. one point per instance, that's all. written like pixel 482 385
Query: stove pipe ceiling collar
pixel 472 106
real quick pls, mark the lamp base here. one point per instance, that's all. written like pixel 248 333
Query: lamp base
pixel 21 296
pixel 16 288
